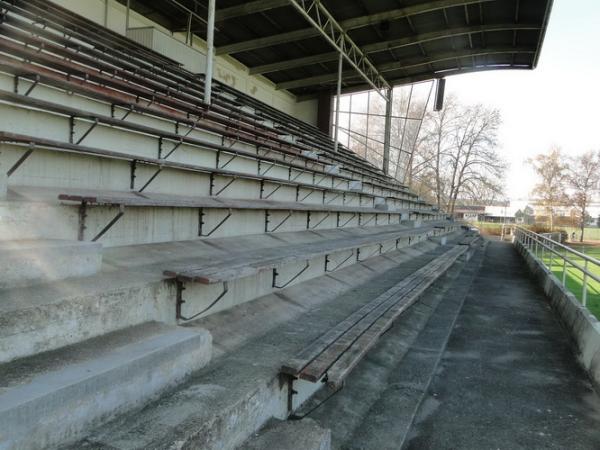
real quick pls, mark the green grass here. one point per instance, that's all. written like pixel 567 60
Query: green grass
pixel 590 234
pixel 574 277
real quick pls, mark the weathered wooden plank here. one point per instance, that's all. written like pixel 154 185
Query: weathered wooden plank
pixel 338 371
pixel 419 282
pixel 240 266
pixel 295 366
pixel 312 363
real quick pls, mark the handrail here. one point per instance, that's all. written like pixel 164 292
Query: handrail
pixel 533 241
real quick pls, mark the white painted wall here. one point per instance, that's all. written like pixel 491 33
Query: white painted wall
pixel 112 14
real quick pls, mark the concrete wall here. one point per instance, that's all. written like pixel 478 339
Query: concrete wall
pixel 112 14
pixel 583 327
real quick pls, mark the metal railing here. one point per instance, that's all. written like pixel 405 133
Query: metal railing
pixel 546 249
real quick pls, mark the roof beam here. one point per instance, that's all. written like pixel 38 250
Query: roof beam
pixel 388 45
pixel 422 77
pixel 408 64
pixel 326 25
pixel 349 24
pixel 248 8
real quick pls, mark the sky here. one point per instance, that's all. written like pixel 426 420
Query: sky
pixel 555 104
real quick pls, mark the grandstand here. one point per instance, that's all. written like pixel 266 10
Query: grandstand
pixel 177 272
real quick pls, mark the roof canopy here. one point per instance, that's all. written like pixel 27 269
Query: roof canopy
pixel 400 41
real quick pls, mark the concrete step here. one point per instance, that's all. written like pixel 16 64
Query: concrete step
pixel 27 262
pixel 377 405
pixel 230 400
pixel 290 435
pixel 54 397
pixel 52 315
pixel 131 289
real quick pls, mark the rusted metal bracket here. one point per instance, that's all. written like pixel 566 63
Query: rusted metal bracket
pixel 216 227
pixel 334 198
pixel 267 214
pixel 318 223
pixel 180 301
pixel 368 221
pixel 89 130
pixel 212 185
pixel 265 172
pixel 380 245
pixel 287 283
pixel 110 224
pixel 21 160
pixel 175 147
pixel 312 191
pixel 346 222
pixel 227 163
pixel 262 190
pixel 82 214
pixel 151 179
pixel 31 88
pixel 327 261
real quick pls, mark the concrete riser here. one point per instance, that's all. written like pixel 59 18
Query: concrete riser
pixel 73 318
pixel 38 123
pixel 24 263
pixel 53 409
pixel 144 225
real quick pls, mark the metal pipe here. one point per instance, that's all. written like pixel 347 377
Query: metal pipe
pixel 127 16
pixel 337 102
pixel 188 35
pixel 388 131
pixel 210 51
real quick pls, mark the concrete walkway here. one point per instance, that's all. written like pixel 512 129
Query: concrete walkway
pixel 508 378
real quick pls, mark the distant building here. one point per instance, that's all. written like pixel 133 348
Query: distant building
pixel 469 213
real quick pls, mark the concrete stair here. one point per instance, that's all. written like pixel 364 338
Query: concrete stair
pixel 26 262
pixel 227 402
pixel 378 404
pixel 56 396
pixel 290 435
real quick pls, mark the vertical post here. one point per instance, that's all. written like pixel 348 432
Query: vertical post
pixel 127 16
pixel 564 274
pixel 388 131
pixel 105 13
pixel 585 281
pixel 188 36
pixel 551 256
pixel 337 102
pixel 210 34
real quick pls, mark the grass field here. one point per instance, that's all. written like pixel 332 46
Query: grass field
pixel 574 278
pixel 590 234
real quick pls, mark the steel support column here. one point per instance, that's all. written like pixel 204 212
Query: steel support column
pixel 337 102
pixel 210 52
pixel 388 130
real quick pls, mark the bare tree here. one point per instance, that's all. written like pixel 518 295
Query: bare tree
pixel 456 155
pixel 551 169
pixel 583 177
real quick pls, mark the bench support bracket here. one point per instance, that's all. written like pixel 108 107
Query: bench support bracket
pixel 319 222
pixel 21 160
pixel 180 301
pixel 327 269
pixel 216 227
pixel 111 223
pixel 267 214
pixel 276 274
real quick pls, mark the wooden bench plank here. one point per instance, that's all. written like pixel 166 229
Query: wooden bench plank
pixel 237 267
pixel 344 365
pixel 318 347
pixel 420 281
